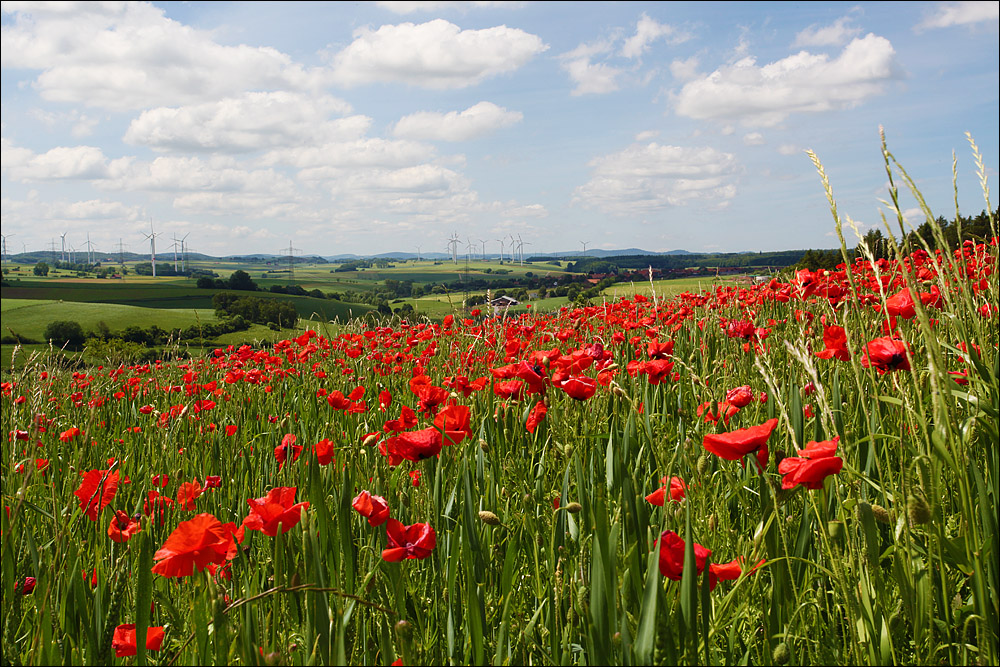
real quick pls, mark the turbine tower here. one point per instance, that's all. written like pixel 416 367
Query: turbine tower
pixel 584 244
pixel 152 245
pixel 520 247
pixel 90 251
pixel 500 241
pixel 418 253
pixel 483 241
pixel 184 252
pixel 62 251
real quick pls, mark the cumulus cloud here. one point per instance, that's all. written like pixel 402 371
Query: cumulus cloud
pixel 476 121
pixel 949 14
pixel 437 54
pixel 124 56
pixel 753 139
pixel 789 149
pixel 249 122
pixel 590 77
pixel 685 70
pixel 647 31
pixel 645 177
pixel 835 34
pixel 409 7
pixel 59 163
pixel 767 95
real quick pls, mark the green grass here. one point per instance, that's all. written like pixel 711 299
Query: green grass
pixel 29 317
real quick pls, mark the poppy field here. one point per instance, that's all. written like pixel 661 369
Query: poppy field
pixel 799 471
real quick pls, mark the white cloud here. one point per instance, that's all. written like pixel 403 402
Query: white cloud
pixel 409 7
pixel 81 125
pixel 753 139
pixel 950 14
pixel 645 177
pixel 835 34
pixel 647 135
pixel 590 77
pixel 476 121
pixel 647 31
pixel 60 163
pixel 767 95
pixel 249 122
pixel 789 149
pixel 326 161
pixel 124 56
pixel 436 54
pixel 685 70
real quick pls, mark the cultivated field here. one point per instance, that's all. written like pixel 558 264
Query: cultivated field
pixel 802 470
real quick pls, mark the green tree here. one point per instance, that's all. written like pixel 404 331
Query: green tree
pixel 64 332
pixel 241 280
pixel 41 269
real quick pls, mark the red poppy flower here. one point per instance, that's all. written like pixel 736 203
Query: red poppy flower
pixel 231 430
pixel 123 641
pixel 413 445
pixel 161 480
pixel 725 408
pixel 886 354
pixel 27 588
pixel 187 493
pixel 213 481
pixel 407 419
pixel 579 387
pixel 677 489
pixel 277 507
pixel 672 555
pixel 158 505
pixel 512 389
pixel 373 508
pixel 657 370
pixel 734 445
pixel 813 465
pixel 287 448
pixel 122 527
pixel 536 416
pixel 901 304
pixel 414 541
pixel 729 571
pixel 415 477
pixel 835 340
pixel 195 543
pixel 454 421
pixel 740 397
pixel 70 434
pixel 324 452
pixel 96 491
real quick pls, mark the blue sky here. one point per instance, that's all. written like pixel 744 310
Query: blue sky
pixel 369 127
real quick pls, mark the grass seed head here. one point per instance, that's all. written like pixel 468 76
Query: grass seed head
pixel 918 510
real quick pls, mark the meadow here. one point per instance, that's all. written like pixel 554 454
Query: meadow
pixel 796 471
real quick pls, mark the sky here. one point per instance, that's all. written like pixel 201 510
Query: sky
pixel 368 127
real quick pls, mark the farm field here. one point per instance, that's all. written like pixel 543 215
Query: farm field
pixel 800 471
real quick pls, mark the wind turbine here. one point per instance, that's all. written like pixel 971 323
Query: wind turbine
pixel 90 251
pixel 520 247
pixel 418 253
pixel 483 241
pixel 174 246
pixel 584 244
pixel 500 241
pixel 62 252
pixel 152 245
pixel 184 252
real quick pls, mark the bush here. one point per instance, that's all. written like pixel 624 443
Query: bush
pixel 65 333
pixel 41 269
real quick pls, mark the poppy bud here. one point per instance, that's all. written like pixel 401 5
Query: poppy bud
pixel 371 440
pixel 568 450
pixel 881 514
pixel 703 464
pixel 489 518
pixel 404 630
pixel 713 522
pixel 919 510
pixel 781 654
pixel 483 445
pixel 574 508
pixel 272 658
pixel 836 531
